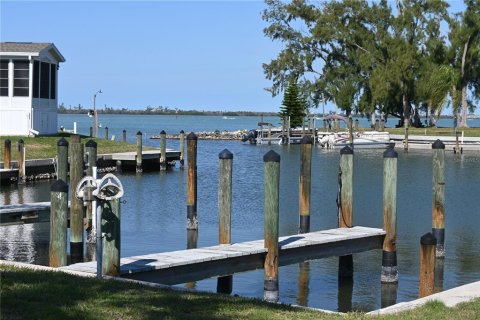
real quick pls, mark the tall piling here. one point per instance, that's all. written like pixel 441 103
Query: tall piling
pixel 91 132
pixel 124 136
pixel 139 152
pixel 427 265
pixel 345 205
pixel 21 159
pixel 91 152
pixel 182 148
pixel 163 150
pixel 438 199
pixel 58 224
pixel 192 221
pixel 271 223
pixel 111 240
pixel 224 284
pixel 7 154
pixel 62 159
pixel 305 183
pixel 106 133
pixel 356 124
pixel 389 254
pixel 350 130
pixel 405 141
pixel 76 205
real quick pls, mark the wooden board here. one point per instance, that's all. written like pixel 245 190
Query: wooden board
pixel 195 264
pixel 146 155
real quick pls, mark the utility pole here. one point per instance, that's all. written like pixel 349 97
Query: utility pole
pixel 95 117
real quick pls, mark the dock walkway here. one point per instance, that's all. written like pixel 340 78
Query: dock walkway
pixel 196 264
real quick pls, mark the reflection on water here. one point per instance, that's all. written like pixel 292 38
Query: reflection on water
pixel 154 220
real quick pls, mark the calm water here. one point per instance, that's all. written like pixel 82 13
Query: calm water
pixel 154 215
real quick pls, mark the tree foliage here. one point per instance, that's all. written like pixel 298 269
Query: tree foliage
pixel 293 105
pixel 366 56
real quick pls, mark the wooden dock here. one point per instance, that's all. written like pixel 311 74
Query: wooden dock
pixel 6 175
pixel 146 155
pixel 196 264
pixel 24 213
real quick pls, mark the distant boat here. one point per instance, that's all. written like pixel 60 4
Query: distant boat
pixel 228 118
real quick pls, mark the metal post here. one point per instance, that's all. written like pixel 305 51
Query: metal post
pixel 389 254
pixel 345 205
pixel 192 222
pixel 163 150
pixel 305 183
pixel 271 211
pixel 427 265
pixel 62 159
pixel 224 284
pixel 58 224
pixel 438 199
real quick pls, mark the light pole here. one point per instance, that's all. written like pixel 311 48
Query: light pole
pixel 95 118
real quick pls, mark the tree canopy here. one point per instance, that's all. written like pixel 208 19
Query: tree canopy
pixel 366 56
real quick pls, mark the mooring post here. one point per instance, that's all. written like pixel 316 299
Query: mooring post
pixel 389 254
pixel 76 205
pixel 438 201
pixel 182 148
pixel 62 159
pixel 427 265
pixel 271 211
pixel 91 132
pixel 405 142
pixel 139 152
pixel 303 283
pixel 163 150
pixel 21 160
pixel 7 154
pixel 91 152
pixel 111 239
pixel 382 124
pixel 345 205
pixel 224 284
pixel 350 130
pixel 305 183
pixel 124 136
pixel 106 133
pixel 58 224
pixel 356 124
pixel 192 222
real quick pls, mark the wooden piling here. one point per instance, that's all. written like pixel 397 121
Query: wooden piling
pixel 76 205
pixel 427 265
pixel 182 148
pixel 405 141
pixel 163 150
pixel 58 224
pixel 438 199
pixel 224 284
pixel 62 159
pixel 106 133
pixel 389 254
pixel 303 283
pixel 382 125
pixel 305 183
pixel 139 152
pixel 7 154
pixel 21 160
pixel 91 132
pixel 91 152
pixel 356 124
pixel 192 222
pixel 271 223
pixel 124 136
pixel 345 206
pixel 350 130
pixel 111 240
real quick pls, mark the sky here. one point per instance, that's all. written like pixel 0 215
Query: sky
pixel 188 55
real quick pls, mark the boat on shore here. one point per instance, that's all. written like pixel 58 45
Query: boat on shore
pixel 363 140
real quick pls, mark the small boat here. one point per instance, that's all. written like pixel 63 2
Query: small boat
pixel 228 118
pixel 363 140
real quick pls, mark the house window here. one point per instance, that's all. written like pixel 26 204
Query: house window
pixel 21 78
pixel 44 80
pixel 4 78
pixel 53 80
pixel 36 79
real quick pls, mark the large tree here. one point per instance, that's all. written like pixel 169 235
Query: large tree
pixel 293 105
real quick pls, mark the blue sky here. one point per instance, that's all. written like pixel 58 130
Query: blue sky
pixel 189 55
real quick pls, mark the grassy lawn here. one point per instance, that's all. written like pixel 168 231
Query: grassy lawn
pixel 468 132
pixel 46 147
pixel 27 294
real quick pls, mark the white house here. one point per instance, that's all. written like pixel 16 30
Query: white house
pixel 28 88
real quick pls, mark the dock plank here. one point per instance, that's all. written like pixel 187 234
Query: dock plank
pixel 195 264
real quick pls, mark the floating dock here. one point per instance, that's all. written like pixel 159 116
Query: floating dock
pixel 195 264
pixel 7 175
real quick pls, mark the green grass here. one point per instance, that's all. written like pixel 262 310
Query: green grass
pixel 27 294
pixel 468 132
pixel 46 146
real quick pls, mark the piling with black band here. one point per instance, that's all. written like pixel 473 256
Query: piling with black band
pixel 58 224
pixel 76 205
pixel 427 265
pixel 138 159
pixel 438 196
pixel 21 159
pixel 163 150
pixel 271 223
pixel 305 183
pixel 124 136
pixel 62 159
pixel 192 220
pixel 389 256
